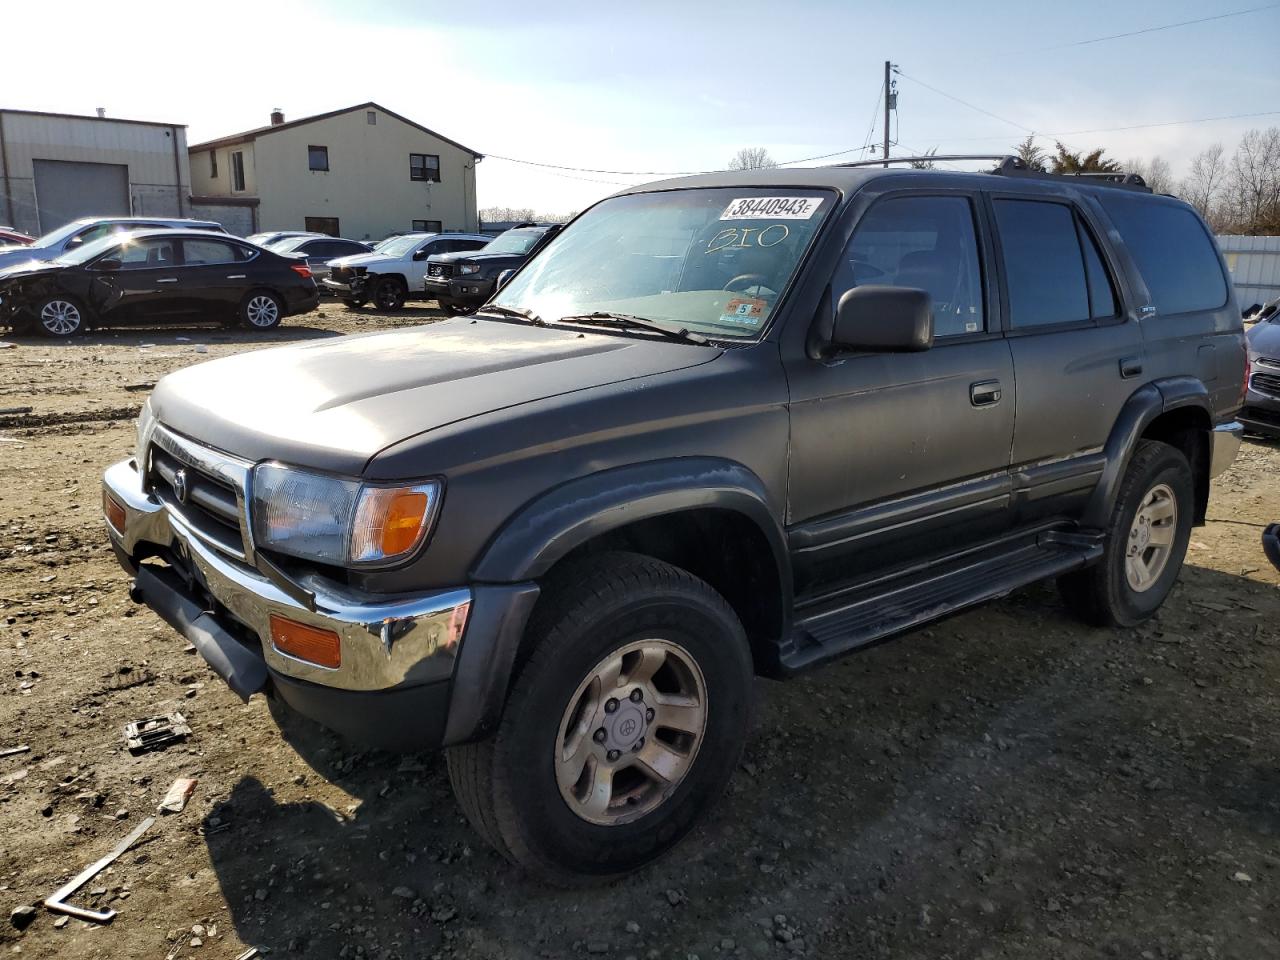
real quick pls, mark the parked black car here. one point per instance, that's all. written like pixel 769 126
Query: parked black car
pixel 318 251
pixel 460 282
pixel 1261 413
pixel 733 424
pixel 152 275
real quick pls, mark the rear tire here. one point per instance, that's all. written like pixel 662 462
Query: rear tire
pixel 260 310
pixel 671 657
pixel 60 316
pixel 388 294
pixel 1146 542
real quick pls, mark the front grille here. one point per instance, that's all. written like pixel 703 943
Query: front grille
pixel 1261 415
pixel 441 270
pixel 210 503
pixel 1268 383
pixel 1268 362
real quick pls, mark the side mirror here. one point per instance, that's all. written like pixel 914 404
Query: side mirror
pixel 884 319
pixel 503 277
pixel 109 264
pixel 421 254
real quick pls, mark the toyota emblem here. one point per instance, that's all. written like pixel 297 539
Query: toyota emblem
pixel 180 485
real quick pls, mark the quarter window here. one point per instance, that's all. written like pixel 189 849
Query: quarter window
pixel 1173 251
pixel 928 243
pixel 318 158
pixel 424 166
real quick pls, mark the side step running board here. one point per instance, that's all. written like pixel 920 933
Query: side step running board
pixel 888 607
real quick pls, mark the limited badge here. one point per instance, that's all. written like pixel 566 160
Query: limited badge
pixel 747 311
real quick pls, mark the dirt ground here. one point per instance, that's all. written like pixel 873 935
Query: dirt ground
pixel 1007 783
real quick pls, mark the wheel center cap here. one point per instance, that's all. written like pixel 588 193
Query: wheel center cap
pixel 624 727
pixel 1144 536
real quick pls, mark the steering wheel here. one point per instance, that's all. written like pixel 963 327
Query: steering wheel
pixel 745 281
pixel 866 272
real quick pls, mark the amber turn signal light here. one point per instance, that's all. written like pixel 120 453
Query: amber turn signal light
pixel 113 511
pixel 312 644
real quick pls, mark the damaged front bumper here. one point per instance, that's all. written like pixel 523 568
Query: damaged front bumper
pixel 392 687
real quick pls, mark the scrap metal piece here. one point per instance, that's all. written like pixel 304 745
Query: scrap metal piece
pixel 249 954
pixel 57 901
pixel 155 733
pixel 10 751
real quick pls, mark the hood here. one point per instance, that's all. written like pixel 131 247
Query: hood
pixel 1264 339
pixel 331 405
pixel 477 256
pixel 19 253
pixel 9 269
pixel 363 260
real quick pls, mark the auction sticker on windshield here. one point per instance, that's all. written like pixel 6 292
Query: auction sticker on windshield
pixel 747 311
pixel 771 208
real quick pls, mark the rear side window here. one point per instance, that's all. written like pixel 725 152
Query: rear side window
pixel 1173 251
pixel 924 242
pixel 1050 265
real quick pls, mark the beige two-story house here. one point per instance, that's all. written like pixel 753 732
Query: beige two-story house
pixel 362 172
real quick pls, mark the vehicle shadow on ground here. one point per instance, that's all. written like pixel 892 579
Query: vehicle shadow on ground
pixel 173 334
pixel 955 780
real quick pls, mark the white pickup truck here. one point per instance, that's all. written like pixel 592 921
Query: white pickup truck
pixel 393 272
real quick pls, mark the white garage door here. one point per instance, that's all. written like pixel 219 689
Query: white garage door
pixel 66 190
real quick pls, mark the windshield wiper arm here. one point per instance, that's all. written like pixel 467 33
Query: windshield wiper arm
pixel 623 321
pixel 520 313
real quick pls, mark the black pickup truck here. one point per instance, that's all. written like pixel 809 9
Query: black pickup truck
pixel 734 424
pixel 460 282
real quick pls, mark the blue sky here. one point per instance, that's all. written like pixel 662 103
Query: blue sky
pixel 667 86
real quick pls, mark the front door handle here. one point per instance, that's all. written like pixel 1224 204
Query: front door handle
pixel 167 280
pixel 1130 367
pixel 985 393
pixel 235 276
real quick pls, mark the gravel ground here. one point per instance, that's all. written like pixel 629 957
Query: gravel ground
pixel 1006 783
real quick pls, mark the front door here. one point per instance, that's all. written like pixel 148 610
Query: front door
pixel 145 283
pixel 903 456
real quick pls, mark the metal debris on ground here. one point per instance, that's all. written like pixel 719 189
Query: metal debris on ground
pixel 178 795
pixel 10 751
pixel 155 733
pixel 249 954
pixel 4 410
pixel 57 901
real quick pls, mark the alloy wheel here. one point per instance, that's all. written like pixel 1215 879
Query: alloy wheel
pixel 631 732
pixel 263 311
pixel 1151 537
pixel 60 317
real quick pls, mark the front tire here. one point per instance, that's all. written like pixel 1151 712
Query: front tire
pixel 1146 542
pixel 261 310
pixel 388 294
pixel 60 316
pixel 622 727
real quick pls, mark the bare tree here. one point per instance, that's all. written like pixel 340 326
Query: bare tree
pixel 1252 189
pixel 752 158
pixel 1156 172
pixel 506 214
pixel 1202 187
pixel 1031 153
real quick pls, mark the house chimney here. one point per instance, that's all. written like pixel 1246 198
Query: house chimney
pixel 102 112
pixel 277 117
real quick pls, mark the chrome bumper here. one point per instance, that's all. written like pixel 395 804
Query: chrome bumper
pixel 1224 445
pixel 385 642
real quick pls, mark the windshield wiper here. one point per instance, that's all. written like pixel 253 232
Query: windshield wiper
pixel 520 313
pixel 625 321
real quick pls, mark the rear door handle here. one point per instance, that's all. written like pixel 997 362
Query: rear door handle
pixel 235 276
pixel 167 280
pixel 1130 367
pixel 985 393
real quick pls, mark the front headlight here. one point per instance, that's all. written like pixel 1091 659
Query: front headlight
pixel 466 269
pixel 145 427
pixel 337 521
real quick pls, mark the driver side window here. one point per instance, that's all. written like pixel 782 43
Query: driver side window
pixel 928 243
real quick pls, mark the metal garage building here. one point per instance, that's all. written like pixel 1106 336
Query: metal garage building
pixel 55 167
pixel 1254 263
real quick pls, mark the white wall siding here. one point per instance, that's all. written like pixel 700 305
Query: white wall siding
pixel 1254 263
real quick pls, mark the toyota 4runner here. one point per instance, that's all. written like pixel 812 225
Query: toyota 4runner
pixel 726 425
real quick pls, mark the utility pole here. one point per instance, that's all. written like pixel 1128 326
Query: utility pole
pixel 887 67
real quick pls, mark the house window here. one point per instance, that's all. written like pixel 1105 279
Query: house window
pixel 213 164
pixel 327 225
pixel 237 171
pixel 371 117
pixel 318 158
pixel 427 226
pixel 424 166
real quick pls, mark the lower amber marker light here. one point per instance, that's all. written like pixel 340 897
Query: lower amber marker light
pixel 113 511
pixel 303 642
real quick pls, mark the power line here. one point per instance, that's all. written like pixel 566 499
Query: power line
pixel 966 103
pixel 1132 126
pixel 1157 29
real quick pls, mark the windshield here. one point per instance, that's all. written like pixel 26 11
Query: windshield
pixel 86 252
pixel 399 246
pixel 714 261
pixel 513 242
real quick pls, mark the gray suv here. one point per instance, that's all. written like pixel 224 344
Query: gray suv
pixel 77 233
pixel 731 425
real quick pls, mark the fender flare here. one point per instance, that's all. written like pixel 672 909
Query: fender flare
pixel 546 528
pixel 1141 409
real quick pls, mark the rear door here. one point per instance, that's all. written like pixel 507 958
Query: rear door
pixel 905 456
pixel 1077 350
pixel 213 277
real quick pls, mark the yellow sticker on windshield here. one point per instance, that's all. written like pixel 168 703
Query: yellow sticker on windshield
pixel 747 311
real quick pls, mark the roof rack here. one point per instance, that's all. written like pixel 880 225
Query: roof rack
pixel 1011 165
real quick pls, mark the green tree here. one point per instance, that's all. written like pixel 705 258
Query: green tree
pixel 1031 153
pixel 1065 161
